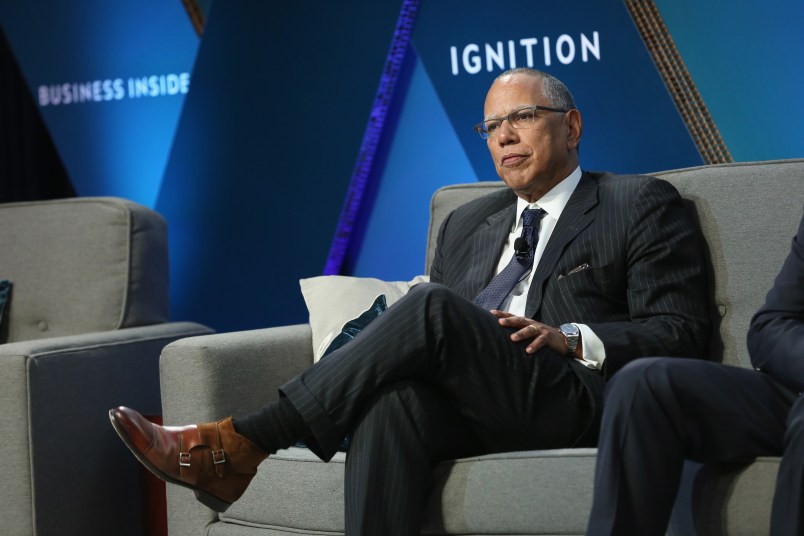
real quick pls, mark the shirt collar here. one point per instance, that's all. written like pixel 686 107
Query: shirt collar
pixel 554 201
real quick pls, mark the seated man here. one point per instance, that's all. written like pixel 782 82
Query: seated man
pixel 540 292
pixel 661 411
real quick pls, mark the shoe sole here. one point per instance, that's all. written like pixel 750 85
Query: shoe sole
pixel 210 501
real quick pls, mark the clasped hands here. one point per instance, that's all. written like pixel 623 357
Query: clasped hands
pixel 541 334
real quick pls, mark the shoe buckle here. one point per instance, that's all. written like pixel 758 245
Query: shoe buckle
pixel 218 457
pixel 184 459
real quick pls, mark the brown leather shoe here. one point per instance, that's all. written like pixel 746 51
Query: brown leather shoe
pixel 211 459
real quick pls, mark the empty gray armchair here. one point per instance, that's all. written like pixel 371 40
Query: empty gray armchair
pixel 85 320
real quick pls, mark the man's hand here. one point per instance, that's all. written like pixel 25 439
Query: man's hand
pixel 541 334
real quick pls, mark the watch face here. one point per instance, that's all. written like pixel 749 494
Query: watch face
pixel 573 335
pixel 569 329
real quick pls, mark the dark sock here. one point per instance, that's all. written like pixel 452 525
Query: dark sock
pixel 276 426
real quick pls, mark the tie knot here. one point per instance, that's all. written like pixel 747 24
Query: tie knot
pixel 532 215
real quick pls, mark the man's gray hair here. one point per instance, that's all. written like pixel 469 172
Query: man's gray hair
pixel 554 89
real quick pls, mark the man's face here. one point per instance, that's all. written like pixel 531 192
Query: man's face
pixel 531 160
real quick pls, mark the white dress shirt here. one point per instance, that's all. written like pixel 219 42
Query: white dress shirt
pixel 553 202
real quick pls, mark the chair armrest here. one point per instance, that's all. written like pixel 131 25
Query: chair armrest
pixel 210 377
pixel 54 397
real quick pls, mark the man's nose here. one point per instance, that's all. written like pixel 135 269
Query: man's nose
pixel 506 133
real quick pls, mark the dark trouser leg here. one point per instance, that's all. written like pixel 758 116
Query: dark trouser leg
pixel 658 412
pixel 788 502
pixel 404 431
pixel 513 400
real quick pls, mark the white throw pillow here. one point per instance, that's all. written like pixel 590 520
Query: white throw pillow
pixel 334 300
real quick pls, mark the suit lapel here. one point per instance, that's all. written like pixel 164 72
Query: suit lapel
pixel 487 243
pixel 576 216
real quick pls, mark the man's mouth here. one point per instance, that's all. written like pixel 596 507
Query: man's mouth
pixel 512 159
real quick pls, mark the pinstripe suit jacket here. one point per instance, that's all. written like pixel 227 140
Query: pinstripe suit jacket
pixel 776 335
pixel 644 293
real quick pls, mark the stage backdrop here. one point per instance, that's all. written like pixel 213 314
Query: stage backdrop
pixel 249 137
pixel 110 79
pixel 630 121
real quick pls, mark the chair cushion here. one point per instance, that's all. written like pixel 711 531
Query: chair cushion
pixel 735 222
pixel 334 300
pixel 352 328
pixel 82 265
pixel 512 493
pixel 295 490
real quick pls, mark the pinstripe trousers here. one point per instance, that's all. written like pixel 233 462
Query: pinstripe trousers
pixel 433 378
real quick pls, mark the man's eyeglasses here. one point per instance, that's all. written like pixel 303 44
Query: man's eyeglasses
pixel 521 118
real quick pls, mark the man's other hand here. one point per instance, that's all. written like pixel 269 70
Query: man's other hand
pixel 541 334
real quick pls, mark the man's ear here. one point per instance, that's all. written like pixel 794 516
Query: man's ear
pixel 574 128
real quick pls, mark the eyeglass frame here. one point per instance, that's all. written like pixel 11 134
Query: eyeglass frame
pixel 507 117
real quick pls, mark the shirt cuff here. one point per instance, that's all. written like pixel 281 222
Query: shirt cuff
pixel 593 352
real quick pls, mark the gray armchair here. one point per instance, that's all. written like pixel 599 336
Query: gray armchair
pixel 85 323
pixel 748 213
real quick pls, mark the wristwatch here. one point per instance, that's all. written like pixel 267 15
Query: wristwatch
pixel 573 335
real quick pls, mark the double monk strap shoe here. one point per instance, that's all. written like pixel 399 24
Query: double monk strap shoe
pixel 211 459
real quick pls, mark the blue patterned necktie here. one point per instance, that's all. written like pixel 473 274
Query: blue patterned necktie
pixel 493 296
